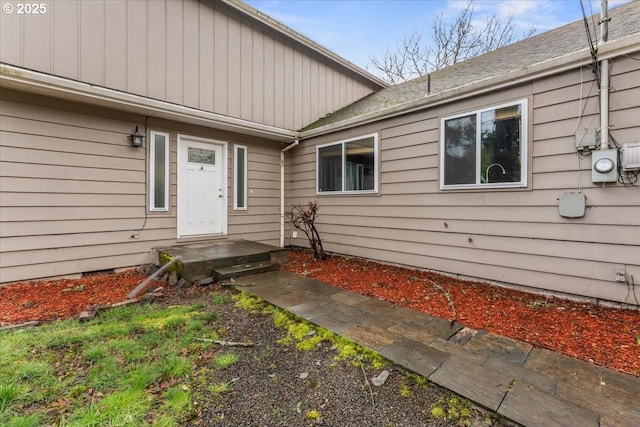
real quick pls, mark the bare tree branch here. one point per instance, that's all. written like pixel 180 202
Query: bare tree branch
pixel 452 42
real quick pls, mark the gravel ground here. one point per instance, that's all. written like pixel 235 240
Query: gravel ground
pixel 277 385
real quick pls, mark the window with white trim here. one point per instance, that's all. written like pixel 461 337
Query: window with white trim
pixel 349 166
pixel 240 177
pixel 159 172
pixel 485 148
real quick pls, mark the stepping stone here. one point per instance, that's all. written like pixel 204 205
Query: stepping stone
pixel 315 287
pixel 412 333
pixel 442 328
pixel 339 319
pixel 370 336
pixel 529 406
pixel 517 372
pixel 348 298
pixel 420 358
pixel 482 385
pixel 458 351
pixel 285 300
pixel 613 412
pixel 309 310
pixel 509 349
pixel 566 369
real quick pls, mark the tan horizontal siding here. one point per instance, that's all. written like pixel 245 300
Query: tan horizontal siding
pixel 34 185
pixel 53 227
pixel 36 270
pixel 588 269
pixel 488 244
pixel 549 234
pixel 517 234
pixel 74 192
pixel 56 213
pixel 203 55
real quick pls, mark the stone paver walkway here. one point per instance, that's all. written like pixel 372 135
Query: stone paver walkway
pixel 532 386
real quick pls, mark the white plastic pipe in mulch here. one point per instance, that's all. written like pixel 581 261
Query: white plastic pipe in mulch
pixel 146 281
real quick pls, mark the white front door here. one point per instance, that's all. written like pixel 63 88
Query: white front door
pixel 202 201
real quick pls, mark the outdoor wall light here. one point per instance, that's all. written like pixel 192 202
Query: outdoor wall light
pixel 137 138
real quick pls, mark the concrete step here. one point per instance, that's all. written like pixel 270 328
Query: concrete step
pixel 198 261
pixel 244 269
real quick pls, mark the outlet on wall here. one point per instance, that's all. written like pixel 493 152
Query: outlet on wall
pixel 294 234
pixel 621 276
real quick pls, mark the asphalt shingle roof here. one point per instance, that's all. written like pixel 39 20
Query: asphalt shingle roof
pixel 624 21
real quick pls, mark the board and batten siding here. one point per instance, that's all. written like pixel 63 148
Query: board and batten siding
pixel 73 190
pixel 201 54
pixel 518 236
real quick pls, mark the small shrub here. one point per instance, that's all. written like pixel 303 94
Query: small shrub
pixel 303 218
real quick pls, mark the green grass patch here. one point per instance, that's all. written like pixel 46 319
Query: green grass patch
pixel 219 388
pixel 220 298
pixel 10 393
pixel 131 366
pixel 225 360
pixel 178 401
pixel 24 421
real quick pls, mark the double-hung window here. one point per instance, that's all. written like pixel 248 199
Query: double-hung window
pixel 240 177
pixel 159 172
pixel 349 166
pixel 485 148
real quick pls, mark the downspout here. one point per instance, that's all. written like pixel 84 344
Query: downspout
pixel 295 143
pixel 604 79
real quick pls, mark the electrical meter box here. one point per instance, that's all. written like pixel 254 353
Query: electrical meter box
pixel 604 166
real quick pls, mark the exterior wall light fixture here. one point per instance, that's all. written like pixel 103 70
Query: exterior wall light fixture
pixel 137 139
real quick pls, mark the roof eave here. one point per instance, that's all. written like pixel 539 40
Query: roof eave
pixel 290 33
pixel 12 77
pixel 557 65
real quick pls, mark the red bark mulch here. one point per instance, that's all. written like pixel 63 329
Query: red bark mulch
pixel 47 300
pixel 602 335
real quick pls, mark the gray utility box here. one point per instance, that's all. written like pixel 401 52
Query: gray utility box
pixel 572 205
pixel 587 140
pixel 631 156
pixel 604 166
